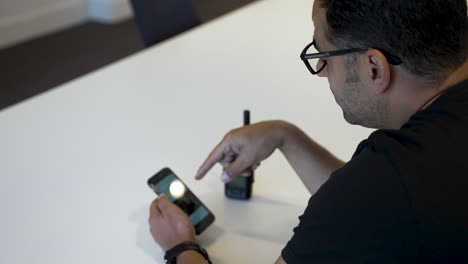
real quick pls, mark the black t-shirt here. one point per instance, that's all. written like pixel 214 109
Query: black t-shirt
pixel 402 198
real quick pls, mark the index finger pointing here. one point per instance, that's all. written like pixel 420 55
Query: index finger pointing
pixel 214 157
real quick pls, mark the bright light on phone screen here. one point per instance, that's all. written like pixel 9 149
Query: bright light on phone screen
pixel 179 194
pixel 177 189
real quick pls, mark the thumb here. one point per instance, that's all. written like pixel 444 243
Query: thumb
pixel 163 203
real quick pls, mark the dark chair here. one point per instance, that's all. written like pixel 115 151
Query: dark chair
pixel 158 20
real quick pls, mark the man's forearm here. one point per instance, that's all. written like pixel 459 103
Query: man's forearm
pixel 192 257
pixel 310 161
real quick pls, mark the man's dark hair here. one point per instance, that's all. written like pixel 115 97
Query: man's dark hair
pixel 429 36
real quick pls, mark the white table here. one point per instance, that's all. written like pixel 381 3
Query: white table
pixel 75 160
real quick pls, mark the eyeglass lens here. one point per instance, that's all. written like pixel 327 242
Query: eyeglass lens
pixel 316 64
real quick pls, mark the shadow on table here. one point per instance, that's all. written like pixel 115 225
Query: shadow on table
pixel 143 236
pixel 145 241
pixel 260 218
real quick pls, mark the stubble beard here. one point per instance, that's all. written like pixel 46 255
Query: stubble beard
pixel 358 107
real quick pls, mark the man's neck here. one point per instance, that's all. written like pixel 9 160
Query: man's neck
pixel 458 76
pixel 417 95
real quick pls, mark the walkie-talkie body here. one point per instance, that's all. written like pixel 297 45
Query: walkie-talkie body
pixel 240 187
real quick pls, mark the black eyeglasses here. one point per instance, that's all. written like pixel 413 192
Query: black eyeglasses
pixel 315 61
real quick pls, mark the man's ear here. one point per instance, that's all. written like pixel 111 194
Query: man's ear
pixel 378 73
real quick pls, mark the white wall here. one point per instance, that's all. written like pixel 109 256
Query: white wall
pixel 21 20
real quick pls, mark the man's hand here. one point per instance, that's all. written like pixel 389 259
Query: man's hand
pixel 242 149
pixel 169 225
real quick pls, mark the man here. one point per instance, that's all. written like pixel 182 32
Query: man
pixel 401 67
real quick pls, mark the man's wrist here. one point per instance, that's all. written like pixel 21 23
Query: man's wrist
pixel 191 256
pixel 284 130
pixel 187 252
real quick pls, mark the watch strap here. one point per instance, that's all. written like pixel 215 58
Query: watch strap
pixel 171 255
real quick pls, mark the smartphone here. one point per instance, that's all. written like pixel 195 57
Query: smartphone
pixel 165 181
pixel 240 187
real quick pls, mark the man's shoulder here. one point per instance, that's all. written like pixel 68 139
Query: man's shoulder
pixel 428 155
pixel 443 125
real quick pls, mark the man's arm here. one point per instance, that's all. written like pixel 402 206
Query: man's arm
pixel 312 163
pixel 191 257
pixel 280 260
pixel 244 148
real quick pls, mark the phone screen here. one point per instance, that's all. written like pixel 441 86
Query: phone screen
pixel 178 193
pixel 165 181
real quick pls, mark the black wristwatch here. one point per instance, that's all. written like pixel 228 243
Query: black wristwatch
pixel 171 255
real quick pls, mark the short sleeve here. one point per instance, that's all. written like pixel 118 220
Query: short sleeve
pixel 362 214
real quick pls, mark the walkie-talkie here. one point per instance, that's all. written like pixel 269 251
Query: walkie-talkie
pixel 240 187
